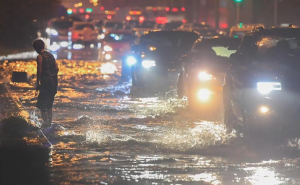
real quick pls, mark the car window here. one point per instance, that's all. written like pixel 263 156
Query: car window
pixel 62 24
pixel 81 26
pixel 270 46
pixel 119 37
pixel 246 45
pixel 183 40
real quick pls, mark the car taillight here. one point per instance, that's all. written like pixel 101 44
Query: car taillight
pixel 161 20
pixel 141 19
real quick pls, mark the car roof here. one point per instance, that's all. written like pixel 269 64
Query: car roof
pixel 279 31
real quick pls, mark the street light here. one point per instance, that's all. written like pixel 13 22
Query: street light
pixel 238 4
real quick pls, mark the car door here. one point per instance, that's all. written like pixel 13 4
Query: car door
pixel 237 74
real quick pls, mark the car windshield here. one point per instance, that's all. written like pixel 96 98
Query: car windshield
pixel 146 24
pixel 201 26
pixel 62 24
pixel 81 26
pixel 238 34
pixel 173 25
pixel 276 46
pixel 116 25
pixel 222 47
pixel 180 40
pixel 119 37
pixel 208 33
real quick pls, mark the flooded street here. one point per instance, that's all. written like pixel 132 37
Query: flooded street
pixel 104 136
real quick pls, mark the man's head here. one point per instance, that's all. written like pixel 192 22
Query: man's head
pixel 38 45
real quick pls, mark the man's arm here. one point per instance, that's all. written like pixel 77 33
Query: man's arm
pixel 39 70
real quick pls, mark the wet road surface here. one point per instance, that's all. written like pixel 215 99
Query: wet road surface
pixel 106 137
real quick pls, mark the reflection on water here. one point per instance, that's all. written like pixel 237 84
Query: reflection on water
pixel 107 137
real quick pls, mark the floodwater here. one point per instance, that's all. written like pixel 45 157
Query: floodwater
pixel 104 136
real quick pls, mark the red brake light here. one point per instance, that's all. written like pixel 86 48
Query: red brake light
pixel 74 10
pixel 81 10
pixel 87 16
pixel 161 20
pixel 183 9
pixel 183 21
pixel 154 9
pixel 167 9
pixel 109 17
pixel 141 19
pixel 175 9
pixel 102 8
pixel 128 18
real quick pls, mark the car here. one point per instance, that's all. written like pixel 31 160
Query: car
pixel 194 26
pixel 155 58
pixel 208 33
pixel 261 89
pixel 113 25
pixel 202 74
pixel 239 30
pixel 58 31
pixel 145 26
pixel 172 25
pixel 77 33
pixel 115 45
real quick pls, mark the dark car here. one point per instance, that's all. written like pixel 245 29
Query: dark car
pixel 202 75
pixel 262 86
pixel 155 58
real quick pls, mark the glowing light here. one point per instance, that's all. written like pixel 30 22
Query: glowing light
pixel 264 109
pixel 80 4
pixel 89 10
pixel 128 18
pixel 175 9
pixel 87 16
pixel 74 10
pixel 267 87
pixel 69 11
pixel 204 94
pixel 48 30
pixel 107 48
pixel 141 19
pixel 152 48
pixel 64 44
pixel 54 32
pixel 109 17
pixel 102 8
pixel 183 9
pixel 167 9
pixel 154 9
pixel 81 10
pixel 107 56
pixel 108 68
pixel 131 60
pixel 77 46
pixel 148 63
pixel 204 76
pixel 183 21
pixel 54 47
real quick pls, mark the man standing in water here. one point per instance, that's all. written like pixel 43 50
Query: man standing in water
pixel 47 81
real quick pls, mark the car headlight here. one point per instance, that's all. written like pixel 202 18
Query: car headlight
pixel 267 87
pixel 107 48
pixel 131 60
pixel 204 76
pixel 101 36
pixel 54 32
pixel 148 63
pixel 48 30
pixel 152 48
